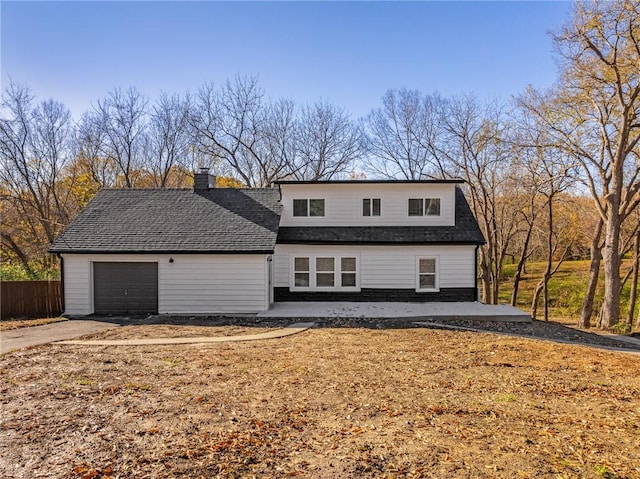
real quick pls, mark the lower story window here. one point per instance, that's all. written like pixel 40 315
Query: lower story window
pixel 348 272
pixel 427 274
pixel 301 272
pixel 325 272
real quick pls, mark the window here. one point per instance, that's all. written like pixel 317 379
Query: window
pixel 416 207
pixel 348 272
pixel 432 206
pixel 300 208
pixel 371 207
pixel 305 207
pixel 424 206
pixel 427 274
pixel 301 272
pixel 324 272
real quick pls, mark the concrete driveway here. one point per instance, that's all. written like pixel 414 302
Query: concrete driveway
pixel 47 333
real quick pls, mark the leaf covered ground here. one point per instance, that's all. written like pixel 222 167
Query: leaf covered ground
pixel 326 403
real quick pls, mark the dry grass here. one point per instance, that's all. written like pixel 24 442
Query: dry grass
pixel 323 404
pixel 8 324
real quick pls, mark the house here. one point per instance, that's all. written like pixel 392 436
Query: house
pixel 220 250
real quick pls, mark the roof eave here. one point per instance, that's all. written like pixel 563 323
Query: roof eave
pixel 329 182
pixel 169 251
pixel 383 243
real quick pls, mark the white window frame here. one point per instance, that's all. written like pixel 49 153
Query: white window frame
pixel 337 272
pixel 371 215
pixel 424 207
pixel 308 201
pixel 437 274
pixel 295 271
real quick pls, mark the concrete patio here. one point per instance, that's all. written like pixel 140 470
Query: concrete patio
pixel 423 311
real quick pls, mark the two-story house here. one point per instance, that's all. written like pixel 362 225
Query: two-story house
pixel 217 250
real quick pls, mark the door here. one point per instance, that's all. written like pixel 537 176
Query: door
pixel 125 288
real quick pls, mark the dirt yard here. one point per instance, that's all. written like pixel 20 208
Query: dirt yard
pixel 326 403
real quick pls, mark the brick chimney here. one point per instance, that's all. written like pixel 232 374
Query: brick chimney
pixel 203 181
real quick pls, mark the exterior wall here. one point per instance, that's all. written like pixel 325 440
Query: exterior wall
pixel 343 203
pixel 385 273
pixel 200 283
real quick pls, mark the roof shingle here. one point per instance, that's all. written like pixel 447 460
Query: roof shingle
pixel 221 220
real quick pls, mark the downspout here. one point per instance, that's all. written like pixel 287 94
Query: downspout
pixel 62 282
pixel 475 272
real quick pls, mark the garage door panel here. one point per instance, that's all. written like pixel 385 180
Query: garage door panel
pixel 125 288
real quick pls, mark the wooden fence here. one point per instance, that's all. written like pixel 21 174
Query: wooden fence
pixel 30 299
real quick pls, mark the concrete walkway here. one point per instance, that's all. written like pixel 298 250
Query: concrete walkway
pixel 425 311
pixel 47 333
pixel 278 333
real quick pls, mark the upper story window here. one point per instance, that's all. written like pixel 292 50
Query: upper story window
pixel 371 207
pixel 424 206
pixel 306 207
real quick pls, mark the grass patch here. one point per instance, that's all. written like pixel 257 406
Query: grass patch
pixel 8 324
pixel 566 290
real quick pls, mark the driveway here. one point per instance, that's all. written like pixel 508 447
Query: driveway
pixel 47 333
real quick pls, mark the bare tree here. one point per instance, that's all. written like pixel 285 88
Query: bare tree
pixel 594 116
pixel 169 139
pixel 35 147
pixel 474 148
pixel 402 136
pixel 89 143
pixel 122 118
pixel 281 143
pixel 328 142
pixel 230 126
pixel 525 197
pixel 553 173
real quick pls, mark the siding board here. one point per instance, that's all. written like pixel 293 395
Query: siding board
pixel 344 208
pixel 389 267
pixel 190 284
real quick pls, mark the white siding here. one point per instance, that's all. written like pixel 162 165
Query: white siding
pixel 343 203
pixel 388 266
pixel 191 284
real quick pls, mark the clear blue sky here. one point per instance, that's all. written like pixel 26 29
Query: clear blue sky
pixel 348 53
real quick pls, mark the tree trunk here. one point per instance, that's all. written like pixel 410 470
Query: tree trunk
pixel 634 280
pixel 520 268
pixel 547 271
pixel 485 277
pixel 611 259
pixel 594 274
pixel 536 297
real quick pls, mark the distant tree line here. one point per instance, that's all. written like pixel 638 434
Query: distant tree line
pixel 550 175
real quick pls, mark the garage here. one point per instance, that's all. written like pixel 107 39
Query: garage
pixel 125 288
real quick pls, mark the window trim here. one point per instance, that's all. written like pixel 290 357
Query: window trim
pixel 437 275
pixel 308 209
pixel 371 208
pixel 424 211
pixel 337 272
